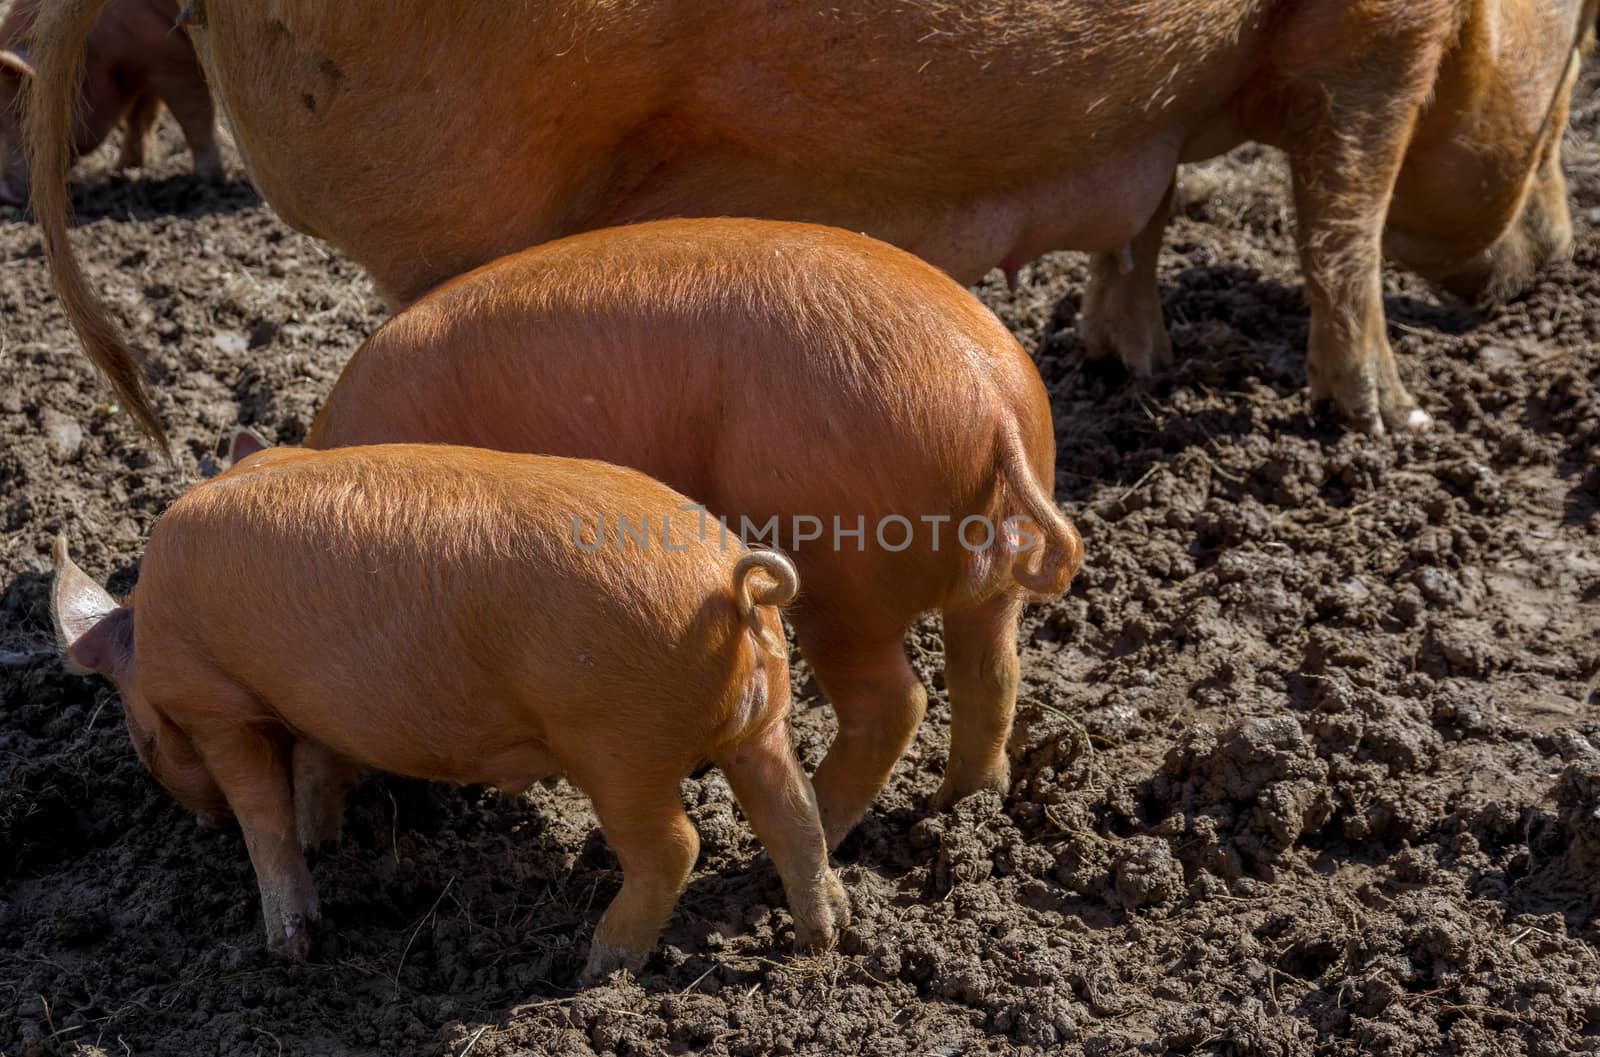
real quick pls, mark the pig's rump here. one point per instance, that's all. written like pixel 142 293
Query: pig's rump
pixel 440 619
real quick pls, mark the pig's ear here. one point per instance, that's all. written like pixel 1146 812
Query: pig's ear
pixel 107 647
pixel 17 62
pixel 245 442
pixel 94 633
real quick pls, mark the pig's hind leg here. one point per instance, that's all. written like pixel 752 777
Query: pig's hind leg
pixel 138 131
pixel 782 809
pixel 322 780
pixel 981 673
pixel 1122 303
pixel 879 702
pixel 252 768
pixel 643 819
pixel 195 113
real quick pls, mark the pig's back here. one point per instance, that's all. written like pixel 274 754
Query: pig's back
pixel 423 581
pixel 819 302
pixel 663 345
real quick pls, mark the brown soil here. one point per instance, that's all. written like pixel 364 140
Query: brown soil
pixel 1308 761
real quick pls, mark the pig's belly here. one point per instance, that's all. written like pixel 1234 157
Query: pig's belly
pixel 1099 209
pixel 469 745
pixel 1083 202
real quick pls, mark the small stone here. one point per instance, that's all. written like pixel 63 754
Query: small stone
pixel 63 437
pixel 230 341
pixel 1498 356
pixel 1355 590
pixel 1438 586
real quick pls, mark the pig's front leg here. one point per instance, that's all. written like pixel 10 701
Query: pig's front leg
pixel 1122 302
pixel 322 780
pixel 252 770
pixel 644 821
pixel 782 809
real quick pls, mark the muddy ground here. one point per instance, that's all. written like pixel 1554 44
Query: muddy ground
pixel 1308 761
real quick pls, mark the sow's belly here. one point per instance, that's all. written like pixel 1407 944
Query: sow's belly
pixel 1095 205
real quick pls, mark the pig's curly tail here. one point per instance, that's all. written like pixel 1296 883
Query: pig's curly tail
pixel 776 585
pixel 1062 555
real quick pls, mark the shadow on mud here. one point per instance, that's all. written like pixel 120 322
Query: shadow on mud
pixel 136 198
pixel 1238 361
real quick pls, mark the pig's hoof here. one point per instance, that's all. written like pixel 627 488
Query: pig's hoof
pixel 1400 411
pixel 1409 420
pixel 817 925
pixel 954 789
pixel 836 824
pixel 1367 404
pixel 1142 350
pixel 1359 415
pixel 605 959
pixel 1119 322
pixel 208 167
pixel 1371 425
pixel 320 830
pixel 294 943
pixel 1146 353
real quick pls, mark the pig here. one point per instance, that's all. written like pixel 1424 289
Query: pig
pixel 137 59
pixel 424 139
pixel 465 616
pixel 797 380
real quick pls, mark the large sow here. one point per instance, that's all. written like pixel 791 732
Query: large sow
pixel 426 137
